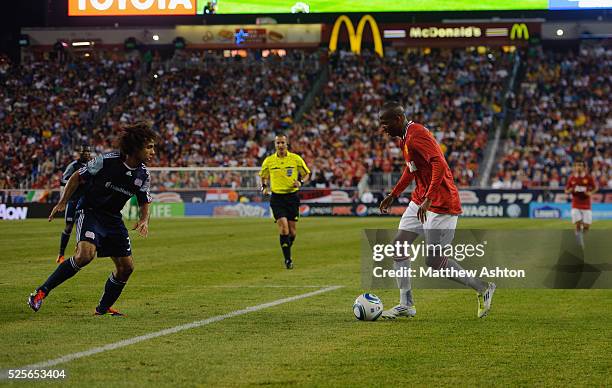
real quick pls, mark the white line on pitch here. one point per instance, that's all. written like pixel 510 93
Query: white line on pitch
pixel 265 286
pixel 217 286
pixel 172 330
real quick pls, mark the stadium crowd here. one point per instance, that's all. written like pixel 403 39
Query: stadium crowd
pixel 456 93
pixel 46 108
pixel 214 111
pixel 562 114
pixel 218 111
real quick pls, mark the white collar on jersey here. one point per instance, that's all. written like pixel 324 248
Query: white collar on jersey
pixel 406 130
pixel 128 167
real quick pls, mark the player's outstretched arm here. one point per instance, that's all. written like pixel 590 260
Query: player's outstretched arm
pixel 73 184
pixel 142 226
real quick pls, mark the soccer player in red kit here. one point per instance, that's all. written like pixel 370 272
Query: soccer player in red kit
pixel 433 209
pixel 581 186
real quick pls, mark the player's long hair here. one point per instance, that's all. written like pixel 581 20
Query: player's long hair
pixel 133 138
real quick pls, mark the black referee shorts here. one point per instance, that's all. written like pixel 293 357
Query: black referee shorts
pixel 285 205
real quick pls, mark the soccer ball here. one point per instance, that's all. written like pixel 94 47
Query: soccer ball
pixel 367 307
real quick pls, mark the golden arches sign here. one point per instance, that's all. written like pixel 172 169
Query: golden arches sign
pixel 520 31
pixel 355 36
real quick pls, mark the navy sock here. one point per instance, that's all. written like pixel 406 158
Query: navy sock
pixel 63 243
pixel 63 272
pixel 291 240
pixel 285 246
pixel 112 291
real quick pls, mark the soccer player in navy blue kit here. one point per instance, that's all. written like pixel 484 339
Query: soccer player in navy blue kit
pixel 110 180
pixel 71 204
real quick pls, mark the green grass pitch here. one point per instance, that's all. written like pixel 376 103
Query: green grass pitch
pixel 320 6
pixel 192 269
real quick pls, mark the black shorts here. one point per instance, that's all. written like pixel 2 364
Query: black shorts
pixel 108 234
pixel 285 205
pixel 70 212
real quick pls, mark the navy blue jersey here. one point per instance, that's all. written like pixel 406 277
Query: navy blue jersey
pixel 110 183
pixel 74 166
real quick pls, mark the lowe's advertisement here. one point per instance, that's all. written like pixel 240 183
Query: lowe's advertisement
pixel 552 210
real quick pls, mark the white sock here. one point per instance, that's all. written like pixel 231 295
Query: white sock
pixel 403 283
pixel 580 238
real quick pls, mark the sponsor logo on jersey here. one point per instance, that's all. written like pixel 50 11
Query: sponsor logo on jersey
pixel 121 190
pixel 411 166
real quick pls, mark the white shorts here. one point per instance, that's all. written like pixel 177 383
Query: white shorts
pixel 437 229
pixel 586 216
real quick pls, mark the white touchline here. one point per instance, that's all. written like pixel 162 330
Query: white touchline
pixel 172 330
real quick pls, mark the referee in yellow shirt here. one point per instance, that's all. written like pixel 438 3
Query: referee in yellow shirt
pixel 283 174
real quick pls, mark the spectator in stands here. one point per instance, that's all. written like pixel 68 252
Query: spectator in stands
pixel 563 113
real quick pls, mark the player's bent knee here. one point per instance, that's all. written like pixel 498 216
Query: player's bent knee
pixel 82 259
pixel 405 236
pixel 435 262
pixel 125 267
pixel 85 253
pixel 124 271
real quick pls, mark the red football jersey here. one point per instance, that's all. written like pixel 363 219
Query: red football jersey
pixel 426 164
pixel 579 186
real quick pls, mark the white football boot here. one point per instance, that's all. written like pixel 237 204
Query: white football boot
pixel 484 300
pixel 399 311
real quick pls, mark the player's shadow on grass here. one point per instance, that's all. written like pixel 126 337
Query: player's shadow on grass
pixel 571 270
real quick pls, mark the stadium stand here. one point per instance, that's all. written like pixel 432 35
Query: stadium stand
pixel 213 110
pixel 47 107
pixel 456 93
pixel 562 113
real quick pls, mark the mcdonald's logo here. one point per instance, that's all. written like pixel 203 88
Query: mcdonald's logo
pixel 520 31
pixel 355 37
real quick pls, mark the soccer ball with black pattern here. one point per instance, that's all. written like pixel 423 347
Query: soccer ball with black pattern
pixel 367 307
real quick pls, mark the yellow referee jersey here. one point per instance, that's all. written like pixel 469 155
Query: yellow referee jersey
pixel 283 172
